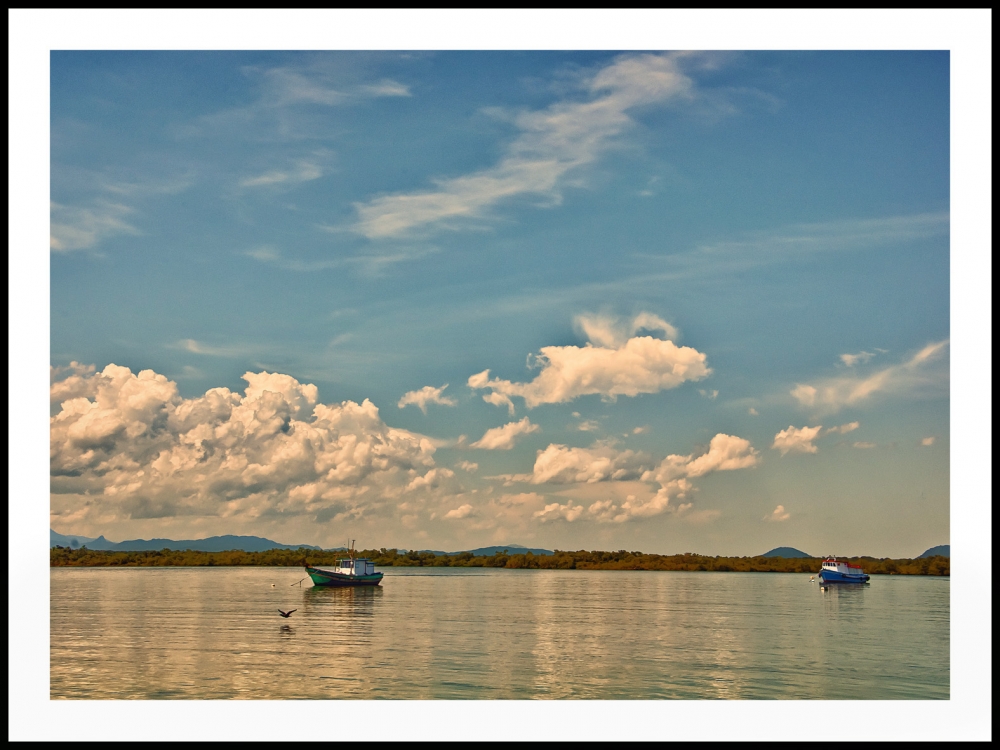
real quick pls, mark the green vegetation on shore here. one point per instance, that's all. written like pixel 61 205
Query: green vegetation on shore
pixel 561 560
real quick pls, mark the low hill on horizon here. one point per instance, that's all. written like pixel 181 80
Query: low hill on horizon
pixel 209 544
pixel 944 550
pixel 785 552
pixel 244 543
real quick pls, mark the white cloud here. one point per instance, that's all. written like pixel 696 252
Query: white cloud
pixel 753 412
pixel 426 395
pixel 711 395
pixel 469 466
pixel 797 440
pixel 79 228
pixel 844 428
pixel 552 143
pixel 832 394
pixel 127 446
pixel 301 171
pixel 778 514
pixel 927 441
pixel 852 359
pixel 640 430
pixel 463 511
pixel 431 479
pixel 611 332
pixel 561 464
pixel 207 350
pixel 555 511
pixel 642 364
pixel 502 438
pixel 588 425
pixel 864 446
pixel 497 399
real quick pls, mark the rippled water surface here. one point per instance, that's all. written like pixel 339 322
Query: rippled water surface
pixel 158 633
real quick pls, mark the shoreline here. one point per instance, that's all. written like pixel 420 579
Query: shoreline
pixel 561 560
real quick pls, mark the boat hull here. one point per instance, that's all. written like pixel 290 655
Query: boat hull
pixel 832 576
pixel 340 580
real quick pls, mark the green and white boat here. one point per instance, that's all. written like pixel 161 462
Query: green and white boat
pixel 351 571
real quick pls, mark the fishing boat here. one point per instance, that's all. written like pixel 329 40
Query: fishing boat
pixel 836 571
pixel 350 571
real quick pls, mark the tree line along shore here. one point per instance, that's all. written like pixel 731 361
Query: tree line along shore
pixel 560 560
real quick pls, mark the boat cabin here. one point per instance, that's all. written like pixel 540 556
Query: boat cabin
pixel 359 566
pixel 844 568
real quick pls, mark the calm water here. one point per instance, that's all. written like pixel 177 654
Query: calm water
pixel 158 633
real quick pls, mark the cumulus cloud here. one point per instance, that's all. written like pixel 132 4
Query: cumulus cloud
pixel 927 441
pixel 712 395
pixel 468 466
pixel 125 445
pixel 426 395
pixel 463 511
pixel 560 464
pixel 552 142
pixel 555 511
pixel 753 412
pixel 796 440
pixel 642 364
pixel 502 438
pixel 832 394
pixel 778 514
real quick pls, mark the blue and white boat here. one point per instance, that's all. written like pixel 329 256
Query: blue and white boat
pixel 835 571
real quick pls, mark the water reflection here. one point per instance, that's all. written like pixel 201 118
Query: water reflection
pixel 214 633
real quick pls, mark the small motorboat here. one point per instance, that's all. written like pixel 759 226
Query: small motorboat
pixel 351 571
pixel 836 571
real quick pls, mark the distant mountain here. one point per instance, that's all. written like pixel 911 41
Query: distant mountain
pixel 245 543
pixel 211 544
pixel 67 540
pixel 514 549
pixel 942 549
pixel 785 552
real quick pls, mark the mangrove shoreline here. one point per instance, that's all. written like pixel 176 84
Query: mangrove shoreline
pixel 560 560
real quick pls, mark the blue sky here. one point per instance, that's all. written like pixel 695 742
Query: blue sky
pixel 711 292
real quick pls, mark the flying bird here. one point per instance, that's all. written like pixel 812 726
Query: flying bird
pixel 288 613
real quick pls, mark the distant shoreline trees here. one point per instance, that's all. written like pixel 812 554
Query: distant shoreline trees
pixel 559 560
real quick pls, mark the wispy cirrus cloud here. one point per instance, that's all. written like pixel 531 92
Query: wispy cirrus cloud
pixel 81 228
pixel 285 96
pixel 208 350
pixel 829 395
pixel 300 171
pixel 552 142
